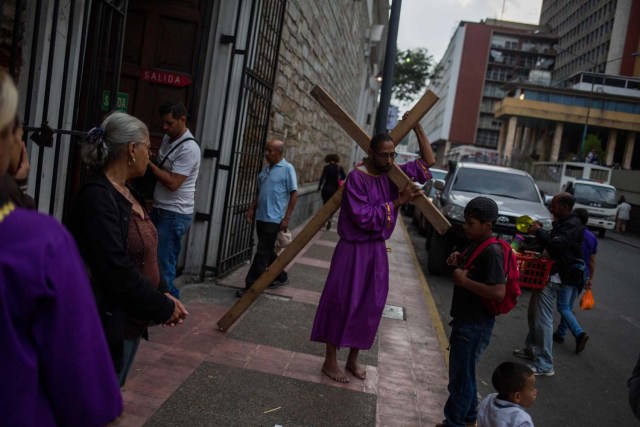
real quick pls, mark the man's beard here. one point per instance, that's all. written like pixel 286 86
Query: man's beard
pixel 384 168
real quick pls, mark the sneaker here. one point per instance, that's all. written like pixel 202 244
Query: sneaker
pixel 581 341
pixel 557 338
pixel 278 283
pixel 525 353
pixel 538 371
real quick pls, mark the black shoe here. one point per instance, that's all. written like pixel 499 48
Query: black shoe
pixel 241 292
pixel 581 341
pixel 328 224
pixel 278 283
pixel 557 338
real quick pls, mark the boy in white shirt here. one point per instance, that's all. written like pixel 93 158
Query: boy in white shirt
pixel 516 389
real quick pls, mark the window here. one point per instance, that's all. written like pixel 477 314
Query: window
pixel 496 183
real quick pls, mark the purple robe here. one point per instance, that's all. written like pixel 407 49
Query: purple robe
pixel 356 289
pixel 54 361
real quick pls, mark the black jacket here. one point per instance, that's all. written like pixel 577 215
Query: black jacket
pixel 100 224
pixel 564 244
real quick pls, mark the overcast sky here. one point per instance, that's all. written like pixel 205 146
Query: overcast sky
pixel 431 23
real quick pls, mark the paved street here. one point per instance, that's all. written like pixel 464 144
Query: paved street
pixel 588 389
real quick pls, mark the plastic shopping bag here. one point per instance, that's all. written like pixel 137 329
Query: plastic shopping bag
pixel 587 301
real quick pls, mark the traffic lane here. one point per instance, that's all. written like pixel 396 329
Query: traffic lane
pixel 589 388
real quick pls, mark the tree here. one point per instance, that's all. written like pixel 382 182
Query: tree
pixel 592 141
pixel 412 70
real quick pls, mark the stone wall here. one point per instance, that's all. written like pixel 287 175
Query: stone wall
pixel 323 43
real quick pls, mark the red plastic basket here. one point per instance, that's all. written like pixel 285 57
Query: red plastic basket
pixel 534 271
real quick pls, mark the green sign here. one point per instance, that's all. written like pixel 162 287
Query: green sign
pixel 122 102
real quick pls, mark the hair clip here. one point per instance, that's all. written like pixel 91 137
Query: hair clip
pixel 95 135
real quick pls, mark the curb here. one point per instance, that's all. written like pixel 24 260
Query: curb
pixel 431 304
pixel 627 242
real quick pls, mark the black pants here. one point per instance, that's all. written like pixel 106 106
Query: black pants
pixel 265 253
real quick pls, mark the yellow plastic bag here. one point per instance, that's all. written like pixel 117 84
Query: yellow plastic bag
pixel 587 301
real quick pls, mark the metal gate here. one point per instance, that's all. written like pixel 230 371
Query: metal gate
pixel 260 61
pixel 61 56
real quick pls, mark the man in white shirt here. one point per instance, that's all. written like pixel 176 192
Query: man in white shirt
pixel 623 214
pixel 173 198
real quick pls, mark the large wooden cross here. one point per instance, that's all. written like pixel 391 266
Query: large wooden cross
pixel 397 176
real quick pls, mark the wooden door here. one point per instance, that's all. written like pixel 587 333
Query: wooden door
pixel 162 52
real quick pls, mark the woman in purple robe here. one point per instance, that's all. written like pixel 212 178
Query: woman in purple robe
pixel 356 289
pixel 54 361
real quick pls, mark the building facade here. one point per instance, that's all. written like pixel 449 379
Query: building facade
pixel 549 123
pixel 480 59
pixel 243 68
pixel 594 35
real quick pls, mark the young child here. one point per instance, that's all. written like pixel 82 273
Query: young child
pixel 472 323
pixel 516 389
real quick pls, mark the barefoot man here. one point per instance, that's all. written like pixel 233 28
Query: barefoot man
pixel 356 289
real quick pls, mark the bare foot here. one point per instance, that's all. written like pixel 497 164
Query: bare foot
pixel 335 374
pixel 356 370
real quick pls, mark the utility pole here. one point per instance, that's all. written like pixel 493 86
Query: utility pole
pixel 389 67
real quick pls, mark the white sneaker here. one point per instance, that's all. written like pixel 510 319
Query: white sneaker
pixel 537 371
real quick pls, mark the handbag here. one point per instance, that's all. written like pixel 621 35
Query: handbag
pixel 587 301
pixel 146 184
pixel 283 239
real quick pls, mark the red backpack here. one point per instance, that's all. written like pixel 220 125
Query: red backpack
pixel 512 291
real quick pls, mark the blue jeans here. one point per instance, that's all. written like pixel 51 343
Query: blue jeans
pixel 129 353
pixel 540 319
pixel 466 344
pixel 566 297
pixel 171 227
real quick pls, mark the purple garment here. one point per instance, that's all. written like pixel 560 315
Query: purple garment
pixel 356 289
pixel 54 363
pixel 589 247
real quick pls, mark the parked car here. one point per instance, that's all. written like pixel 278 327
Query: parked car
pixel 409 209
pixel 429 190
pixel 513 190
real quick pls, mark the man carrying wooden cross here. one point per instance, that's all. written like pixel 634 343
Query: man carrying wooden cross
pixel 356 289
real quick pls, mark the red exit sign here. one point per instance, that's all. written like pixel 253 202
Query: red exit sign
pixel 165 78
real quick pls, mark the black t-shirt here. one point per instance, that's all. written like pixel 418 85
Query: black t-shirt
pixel 487 268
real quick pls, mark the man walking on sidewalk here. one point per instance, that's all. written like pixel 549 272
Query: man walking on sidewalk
pixel 272 207
pixel 356 289
pixel 174 194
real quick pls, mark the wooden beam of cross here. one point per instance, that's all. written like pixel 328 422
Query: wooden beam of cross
pixel 396 174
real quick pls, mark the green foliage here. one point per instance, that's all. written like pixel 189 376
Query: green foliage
pixel 592 141
pixel 412 70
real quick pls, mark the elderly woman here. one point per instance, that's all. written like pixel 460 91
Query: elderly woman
pixel 54 360
pixel 118 240
pixel 14 183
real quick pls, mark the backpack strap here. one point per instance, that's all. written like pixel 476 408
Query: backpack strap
pixel 478 250
pixel 173 149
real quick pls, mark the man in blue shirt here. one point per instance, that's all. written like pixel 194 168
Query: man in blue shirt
pixel 272 208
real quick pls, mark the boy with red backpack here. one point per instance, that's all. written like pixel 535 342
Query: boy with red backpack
pixel 480 292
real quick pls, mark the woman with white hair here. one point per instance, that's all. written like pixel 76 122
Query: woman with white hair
pixel 54 361
pixel 118 241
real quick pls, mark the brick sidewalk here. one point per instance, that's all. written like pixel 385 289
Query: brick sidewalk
pixel 406 371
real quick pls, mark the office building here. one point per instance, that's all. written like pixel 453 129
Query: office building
pixel 480 59
pixel 594 35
